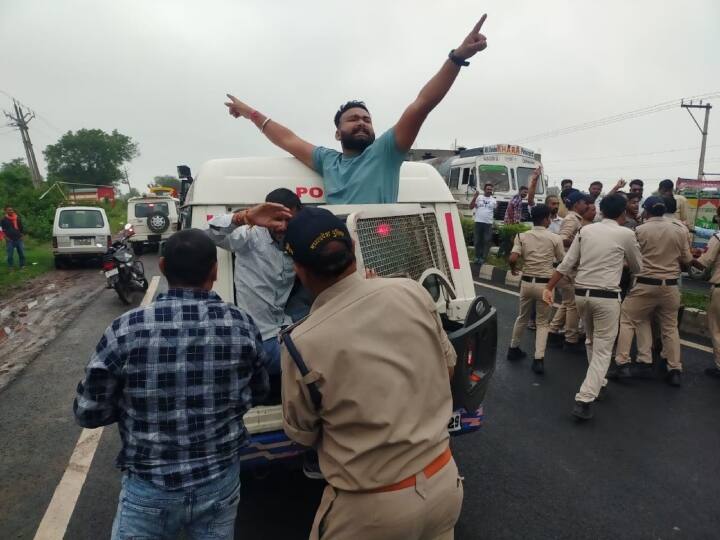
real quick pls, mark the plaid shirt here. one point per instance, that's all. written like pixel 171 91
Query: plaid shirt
pixel 177 376
pixel 513 214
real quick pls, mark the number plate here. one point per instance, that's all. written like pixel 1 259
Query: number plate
pixel 455 424
pixel 83 241
pixel 111 273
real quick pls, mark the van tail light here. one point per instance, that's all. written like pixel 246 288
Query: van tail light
pixel 55 244
pixel 109 241
pixel 108 265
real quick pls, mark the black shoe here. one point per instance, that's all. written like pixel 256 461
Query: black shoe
pixel 515 353
pixel 713 372
pixel 603 394
pixel 619 371
pixel 582 410
pixel 531 325
pixel 555 339
pixel 311 466
pixel 674 377
pixel 642 370
pixel 574 347
pixel 538 366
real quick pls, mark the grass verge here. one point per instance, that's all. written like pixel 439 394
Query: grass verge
pixel 696 300
pixel 38 260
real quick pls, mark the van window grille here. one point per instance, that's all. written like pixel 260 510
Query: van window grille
pixel 402 245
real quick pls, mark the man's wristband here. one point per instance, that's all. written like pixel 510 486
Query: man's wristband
pixel 457 60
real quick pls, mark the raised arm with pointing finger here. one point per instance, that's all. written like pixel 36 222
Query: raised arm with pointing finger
pixel 367 170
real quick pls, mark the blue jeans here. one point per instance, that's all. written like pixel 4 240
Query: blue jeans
pixel 272 349
pixel 482 236
pixel 206 512
pixel 12 245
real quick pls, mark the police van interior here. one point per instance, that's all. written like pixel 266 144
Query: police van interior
pixel 419 238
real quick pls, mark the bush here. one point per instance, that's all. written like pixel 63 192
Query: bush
pixel 468 227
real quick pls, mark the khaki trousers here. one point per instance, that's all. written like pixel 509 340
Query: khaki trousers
pixel 713 318
pixel 531 293
pixel 642 303
pixel 567 314
pixel 427 511
pixel 601 316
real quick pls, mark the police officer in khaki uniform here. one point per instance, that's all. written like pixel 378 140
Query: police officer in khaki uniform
pixel 711 259
pixel 373 397
pixel 599 252
pixel 539 249
pixel 664 248
pixel 567 314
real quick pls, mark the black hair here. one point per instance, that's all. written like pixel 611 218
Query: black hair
pixel 565 181
pixel 489 184
pixel 613 206
pixel 539 213
pixel 637 182
pixel 332 260
pixel 666 185
pixel 285 197
pixel 632 195
pixel 349 105
pixel 670 205
pixel 523 187
pixel 189 256
pixel 657 210
pixel 596 183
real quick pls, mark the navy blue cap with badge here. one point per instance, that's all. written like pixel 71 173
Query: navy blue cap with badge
pixel 575 197
pixel 310 230
pixel 653 201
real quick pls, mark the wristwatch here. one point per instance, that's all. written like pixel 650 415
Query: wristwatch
pixel 457 60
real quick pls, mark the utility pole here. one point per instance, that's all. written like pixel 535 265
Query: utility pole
pixel 20 119
pixel 703 130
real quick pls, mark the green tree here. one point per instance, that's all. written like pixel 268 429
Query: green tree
pixel 167 181
pixel 90 156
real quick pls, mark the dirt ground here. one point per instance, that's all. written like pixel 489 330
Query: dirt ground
pixel 32 317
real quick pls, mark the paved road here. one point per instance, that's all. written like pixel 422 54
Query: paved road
pixel 646 467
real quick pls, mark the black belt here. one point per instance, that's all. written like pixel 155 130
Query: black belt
pixel 597 293
pixel 653 281
pixel 530 279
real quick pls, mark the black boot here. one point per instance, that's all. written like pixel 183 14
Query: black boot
pixel 515 353
pixel 578 347
pixel 713 372
pixel 674 377
pixel 582 410
pixel 538 366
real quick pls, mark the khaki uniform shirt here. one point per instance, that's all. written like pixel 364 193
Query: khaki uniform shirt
pixel 570 226
pixel 663 246
pixel 711 258
pixel 379 354
pixel 599 251
pixel 539 249
pixel 688 235
pixel 682 208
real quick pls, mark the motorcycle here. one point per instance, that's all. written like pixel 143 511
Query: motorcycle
pixel 123 273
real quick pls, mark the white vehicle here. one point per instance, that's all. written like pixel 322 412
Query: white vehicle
pixel 420 238
pixel 80 232
pixel 507 167
pixel 154 218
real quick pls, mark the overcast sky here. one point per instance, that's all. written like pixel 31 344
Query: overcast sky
pixel 158 71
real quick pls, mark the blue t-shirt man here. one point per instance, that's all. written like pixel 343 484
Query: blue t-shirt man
pixel 373 176
pixel 368 170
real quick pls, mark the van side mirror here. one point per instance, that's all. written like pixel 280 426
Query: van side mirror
pixel 184 173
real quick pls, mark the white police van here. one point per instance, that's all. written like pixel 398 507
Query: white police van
pixel 420 237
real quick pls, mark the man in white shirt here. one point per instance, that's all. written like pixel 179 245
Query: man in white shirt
pixel 483 207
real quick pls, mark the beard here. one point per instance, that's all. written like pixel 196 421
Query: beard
pixel 350 141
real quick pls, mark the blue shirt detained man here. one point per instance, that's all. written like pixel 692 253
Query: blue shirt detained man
pixel 177 376
pixel 367 170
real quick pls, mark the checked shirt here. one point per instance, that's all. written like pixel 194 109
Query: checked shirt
pixel 177 376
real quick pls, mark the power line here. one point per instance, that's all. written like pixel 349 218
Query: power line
pixel 618 156
pixel 666 105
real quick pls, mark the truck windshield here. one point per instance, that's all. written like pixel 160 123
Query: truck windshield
pixel 497 175
pixel 523 178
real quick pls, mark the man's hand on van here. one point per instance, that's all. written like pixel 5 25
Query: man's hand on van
pixel 270 215
pixel 237 108
pixel 474 42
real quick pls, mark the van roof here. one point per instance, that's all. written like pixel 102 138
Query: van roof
pixel 151 198
pixel 81 208
pixel 249 180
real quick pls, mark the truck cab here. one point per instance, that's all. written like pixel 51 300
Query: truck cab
pixel 420 237
pixel 507 167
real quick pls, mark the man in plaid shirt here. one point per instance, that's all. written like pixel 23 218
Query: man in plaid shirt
pixel 177 376
pixel 513 214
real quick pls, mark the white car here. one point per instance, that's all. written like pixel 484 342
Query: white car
pixel 153 218
pixel 80 232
